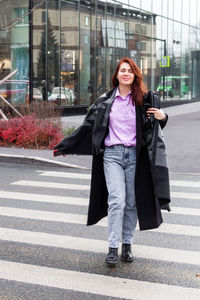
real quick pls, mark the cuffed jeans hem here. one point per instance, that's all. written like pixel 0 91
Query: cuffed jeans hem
pixel 127 242
pixel 113 245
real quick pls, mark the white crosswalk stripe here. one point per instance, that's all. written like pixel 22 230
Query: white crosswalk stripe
pixel 184 183
pixel 64 175
pixel 43 198
pixel 91 282
pixel 80 201
pixel 52 185
pixel 98 246
pixel 75 200
pixel 193 196
pixel 81 219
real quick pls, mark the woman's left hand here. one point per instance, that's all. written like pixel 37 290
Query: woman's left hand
pixel 158 113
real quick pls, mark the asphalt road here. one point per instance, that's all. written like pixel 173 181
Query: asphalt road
pixel 182 135
pixel 47 252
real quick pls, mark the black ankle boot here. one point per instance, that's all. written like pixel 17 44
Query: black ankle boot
pixel 112 256
pixel 126 253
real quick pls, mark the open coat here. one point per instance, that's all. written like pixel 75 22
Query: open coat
pixel 151 177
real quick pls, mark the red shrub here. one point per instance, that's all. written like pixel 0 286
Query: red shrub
pixel 29 132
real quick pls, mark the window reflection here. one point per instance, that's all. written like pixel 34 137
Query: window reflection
pixel 77 44
pixel 193 12
pixel 14 51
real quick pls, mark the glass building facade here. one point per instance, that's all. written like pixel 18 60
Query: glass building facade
pixel 66 51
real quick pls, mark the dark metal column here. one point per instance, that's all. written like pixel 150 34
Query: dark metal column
pixel 30 51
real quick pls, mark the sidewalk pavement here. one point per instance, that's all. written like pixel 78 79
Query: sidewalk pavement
pixel 45 157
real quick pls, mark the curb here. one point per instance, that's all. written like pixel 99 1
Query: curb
pixel 34 160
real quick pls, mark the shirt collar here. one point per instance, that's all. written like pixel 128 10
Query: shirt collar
pixel 118 94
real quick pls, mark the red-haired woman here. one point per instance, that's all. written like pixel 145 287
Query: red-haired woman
pixel 130 181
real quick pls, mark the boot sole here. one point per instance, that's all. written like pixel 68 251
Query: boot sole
pixel 130 260
pixel 111 263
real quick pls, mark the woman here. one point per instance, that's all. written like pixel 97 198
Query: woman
pixel 130 181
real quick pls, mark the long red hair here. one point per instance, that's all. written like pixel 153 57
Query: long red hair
pixel 138 87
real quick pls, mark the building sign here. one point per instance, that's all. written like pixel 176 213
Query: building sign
pixel 165 62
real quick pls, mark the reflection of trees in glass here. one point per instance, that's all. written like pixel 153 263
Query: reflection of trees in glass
pixel 49 55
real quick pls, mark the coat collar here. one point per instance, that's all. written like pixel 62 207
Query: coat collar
pixel 110 96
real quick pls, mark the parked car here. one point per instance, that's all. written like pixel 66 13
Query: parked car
pixel 37 94
pixel 63 93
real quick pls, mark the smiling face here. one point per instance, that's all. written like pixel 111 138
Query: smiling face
pixel 125 75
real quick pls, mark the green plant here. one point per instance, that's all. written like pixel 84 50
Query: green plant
pixel 67 131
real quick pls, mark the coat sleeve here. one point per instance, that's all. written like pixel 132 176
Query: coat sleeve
pixel 155 100
pixel 80 141
pixel 163 122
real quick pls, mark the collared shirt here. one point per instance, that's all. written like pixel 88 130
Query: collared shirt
pixel 122 122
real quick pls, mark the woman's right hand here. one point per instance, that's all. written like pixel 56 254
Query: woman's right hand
pixel 56 153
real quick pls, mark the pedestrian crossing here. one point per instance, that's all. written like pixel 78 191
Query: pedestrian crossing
pixel 81 219
pixel 124 285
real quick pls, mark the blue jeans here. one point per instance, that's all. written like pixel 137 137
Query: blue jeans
pixel 119 169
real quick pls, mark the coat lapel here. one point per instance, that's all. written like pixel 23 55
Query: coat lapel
pixel 108 102
pixel 138 132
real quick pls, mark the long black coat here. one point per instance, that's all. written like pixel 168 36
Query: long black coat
pixel 151 177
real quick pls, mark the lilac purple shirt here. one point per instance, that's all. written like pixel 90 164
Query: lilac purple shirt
pixel 122 122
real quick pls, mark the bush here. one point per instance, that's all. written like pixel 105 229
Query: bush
pixel 30 132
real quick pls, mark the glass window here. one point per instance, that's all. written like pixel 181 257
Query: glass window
pixel 185 64
pixel 20 11
pixel 171 9
pixel 178 10
pixel 77 44
pixel 164 29
pixel 193 38
pixel 165 8
pixel 198 14
pixel 170 37
pixel 186 11
pixel 158 27
pixel 44 15
pixel 146 5
pixel 198 39
pixel 176 60
pixel 86 39
pixel 46 48
pixel 137 28
pixel 193 12
pixel 143 46
pixel 135 3
pixel 157 7
pixel 70 53
pixel 14 51
pixel 84 61
pixel 141 29
pixel 86 20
